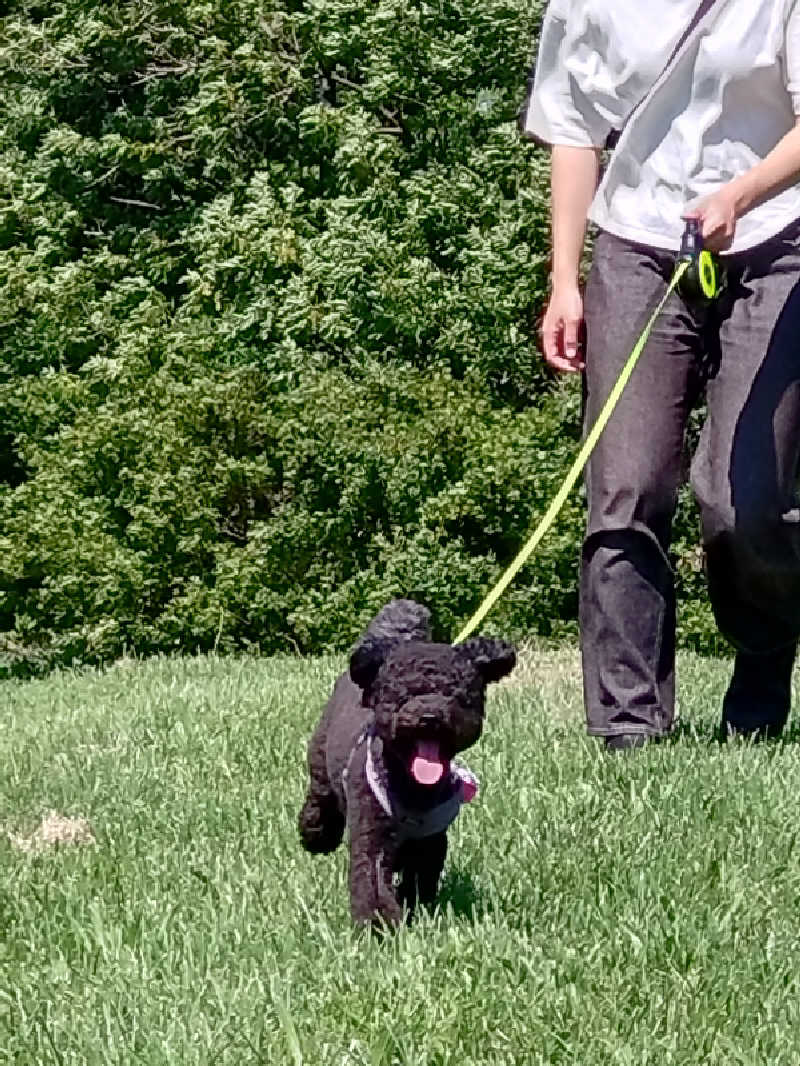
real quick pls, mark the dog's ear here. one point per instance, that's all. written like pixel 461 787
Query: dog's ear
pixel 365 661
pixel 492 659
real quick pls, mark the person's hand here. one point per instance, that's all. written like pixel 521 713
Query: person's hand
pixel 718 216
pixel 561 328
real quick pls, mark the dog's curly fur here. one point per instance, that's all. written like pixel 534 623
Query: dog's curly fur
pixel 400 688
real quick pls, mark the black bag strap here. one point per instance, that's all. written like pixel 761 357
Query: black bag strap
pixel 702 10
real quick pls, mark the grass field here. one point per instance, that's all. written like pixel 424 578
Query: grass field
pixel 631 910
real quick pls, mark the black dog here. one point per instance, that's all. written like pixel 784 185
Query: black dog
pixel 380 757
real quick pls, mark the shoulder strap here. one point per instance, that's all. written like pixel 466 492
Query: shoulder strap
pixel 703 9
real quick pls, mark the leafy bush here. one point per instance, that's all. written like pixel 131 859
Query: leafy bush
pixel 270 274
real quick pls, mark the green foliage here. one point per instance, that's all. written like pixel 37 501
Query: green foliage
pixel 270 274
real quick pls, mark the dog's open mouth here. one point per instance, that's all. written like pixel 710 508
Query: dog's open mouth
pixel 428 764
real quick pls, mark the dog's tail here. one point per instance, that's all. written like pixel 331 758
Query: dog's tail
pixel 399 621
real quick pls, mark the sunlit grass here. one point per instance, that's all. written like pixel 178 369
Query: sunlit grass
pixel 634 909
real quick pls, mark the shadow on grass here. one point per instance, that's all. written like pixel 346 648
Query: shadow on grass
pixel 461 896
pixel 709 733
pixel 691 731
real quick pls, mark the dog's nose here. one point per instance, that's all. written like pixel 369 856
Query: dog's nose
pixel 429 719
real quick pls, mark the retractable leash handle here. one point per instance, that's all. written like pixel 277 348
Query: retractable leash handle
pixel 703 279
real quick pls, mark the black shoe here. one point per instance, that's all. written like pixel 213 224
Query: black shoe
pixel 759 695
pixel 627 741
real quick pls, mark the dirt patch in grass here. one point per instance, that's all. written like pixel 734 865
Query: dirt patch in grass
pixel 54 830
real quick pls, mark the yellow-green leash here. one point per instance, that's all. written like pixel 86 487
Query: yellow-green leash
pixel 576 468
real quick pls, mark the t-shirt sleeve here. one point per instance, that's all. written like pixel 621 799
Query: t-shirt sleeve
pixel 792 55
pixel 556 111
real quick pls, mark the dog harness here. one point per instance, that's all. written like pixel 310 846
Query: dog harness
pixel 462 786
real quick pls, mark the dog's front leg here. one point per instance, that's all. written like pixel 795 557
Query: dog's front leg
pixel 430 863
pixel 373 899
pixel 420 863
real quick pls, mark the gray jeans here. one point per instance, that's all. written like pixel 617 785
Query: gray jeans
pixel 744 354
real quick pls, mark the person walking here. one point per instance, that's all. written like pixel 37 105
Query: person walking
pixel 703 99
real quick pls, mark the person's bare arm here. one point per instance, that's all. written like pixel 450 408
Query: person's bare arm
pixel 573 180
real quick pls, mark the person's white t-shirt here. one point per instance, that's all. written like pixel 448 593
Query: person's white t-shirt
pixel 731 93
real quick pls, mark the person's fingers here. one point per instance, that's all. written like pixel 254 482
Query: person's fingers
pixel 711 218
pixel 719 244
pixel 718 231
pixel 550 345
pixel 570 337
pixel 570 343
pixel 559 353
pixel 716 242
pixel 713 222
pixel 717 222
pixel 560 335
pixel 569 366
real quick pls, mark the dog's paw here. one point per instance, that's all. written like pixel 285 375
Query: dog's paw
pixel 321 827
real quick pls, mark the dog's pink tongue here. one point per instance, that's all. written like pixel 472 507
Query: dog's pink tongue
pixel 427 765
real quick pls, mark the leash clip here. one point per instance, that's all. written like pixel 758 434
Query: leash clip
pixel 702 281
